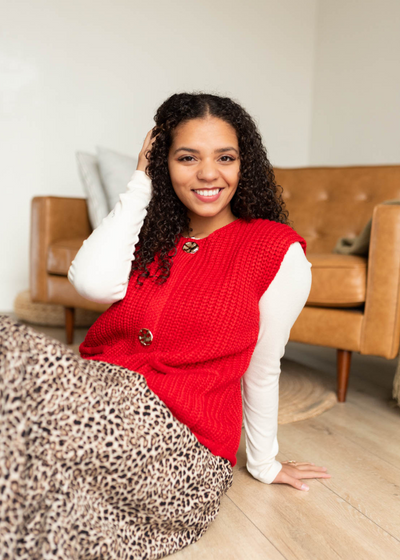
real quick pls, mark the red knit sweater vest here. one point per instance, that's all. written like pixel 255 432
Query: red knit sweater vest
pixel 204 321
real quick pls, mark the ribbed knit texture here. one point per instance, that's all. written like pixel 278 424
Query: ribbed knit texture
pixel 205 323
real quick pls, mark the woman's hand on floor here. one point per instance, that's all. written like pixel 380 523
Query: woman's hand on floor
pixel 291 473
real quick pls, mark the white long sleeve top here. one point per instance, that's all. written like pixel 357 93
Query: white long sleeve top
pixel 100 272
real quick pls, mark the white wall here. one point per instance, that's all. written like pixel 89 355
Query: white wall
pixel 77 73
pixel 356 112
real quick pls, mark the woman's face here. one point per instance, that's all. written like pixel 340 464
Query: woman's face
pixel 204 165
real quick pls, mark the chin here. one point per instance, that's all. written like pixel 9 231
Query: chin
pixel 207 212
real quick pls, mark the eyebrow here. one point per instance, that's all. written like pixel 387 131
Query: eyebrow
pixel 219 151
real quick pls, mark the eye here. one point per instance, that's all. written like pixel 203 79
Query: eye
pixel 191 158
pixel 230 158
pixel 184 158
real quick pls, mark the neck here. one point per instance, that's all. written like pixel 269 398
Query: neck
pixel 202 226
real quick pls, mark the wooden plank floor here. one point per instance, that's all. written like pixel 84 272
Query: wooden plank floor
pixel 355 513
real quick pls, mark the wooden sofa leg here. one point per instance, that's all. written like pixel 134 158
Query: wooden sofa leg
pixel 69 324
pixel 343 371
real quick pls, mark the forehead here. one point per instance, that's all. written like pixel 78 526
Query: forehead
pixel 208 131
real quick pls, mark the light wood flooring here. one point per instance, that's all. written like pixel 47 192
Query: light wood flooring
pixel 354 514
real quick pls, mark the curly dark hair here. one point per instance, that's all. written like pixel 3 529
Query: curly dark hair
pixel 257 194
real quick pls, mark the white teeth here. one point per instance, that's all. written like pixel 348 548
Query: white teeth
pixel 208 193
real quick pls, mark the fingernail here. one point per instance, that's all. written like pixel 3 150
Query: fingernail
pixel 304 487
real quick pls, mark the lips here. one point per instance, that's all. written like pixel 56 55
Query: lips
pixel 208 189
pixel 208 198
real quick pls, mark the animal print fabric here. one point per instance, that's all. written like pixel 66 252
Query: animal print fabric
pixel 92 463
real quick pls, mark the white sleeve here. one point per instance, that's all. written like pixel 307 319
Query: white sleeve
pixel 101 268
pixel 280 305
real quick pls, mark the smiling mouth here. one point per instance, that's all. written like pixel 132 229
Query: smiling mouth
pixel 207 192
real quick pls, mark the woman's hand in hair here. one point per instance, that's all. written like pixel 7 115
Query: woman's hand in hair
pixel 291 473
pixel 146 148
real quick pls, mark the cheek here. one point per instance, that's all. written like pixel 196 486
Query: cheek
pixel 178 182
pixel 180 176
pixel 232 177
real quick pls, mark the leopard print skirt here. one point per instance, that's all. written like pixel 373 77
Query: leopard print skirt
pixel 93 465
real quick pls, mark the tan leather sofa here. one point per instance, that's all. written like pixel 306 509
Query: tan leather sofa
pixel 354 303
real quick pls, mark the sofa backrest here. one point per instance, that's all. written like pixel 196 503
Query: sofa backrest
pixel 326 203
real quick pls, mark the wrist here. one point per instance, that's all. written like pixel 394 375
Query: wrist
pixel 140 180
pixel 143 161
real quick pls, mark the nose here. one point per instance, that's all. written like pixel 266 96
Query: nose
pixel 207 171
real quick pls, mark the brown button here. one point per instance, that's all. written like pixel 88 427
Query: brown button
pixel 190 247
pixel 145 337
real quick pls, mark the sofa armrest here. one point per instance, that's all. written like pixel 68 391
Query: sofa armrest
pixel 380 334
pixel 53 218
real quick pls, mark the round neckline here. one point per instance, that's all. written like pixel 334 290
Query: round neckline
pixel 210 234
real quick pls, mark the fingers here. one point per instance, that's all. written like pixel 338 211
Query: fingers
pixel 287 479
pixel 305 466
pixel 143 157
pixel 295 463
pixel 148 142
pixel 314 474
pixel 291 474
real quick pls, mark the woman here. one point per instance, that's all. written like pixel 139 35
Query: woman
pixel 126 451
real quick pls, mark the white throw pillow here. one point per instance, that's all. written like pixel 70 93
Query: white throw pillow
pixel 116 171
pixel 92 185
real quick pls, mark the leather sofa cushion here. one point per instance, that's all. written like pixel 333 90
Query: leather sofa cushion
pixel 61 254
pixel 337 280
